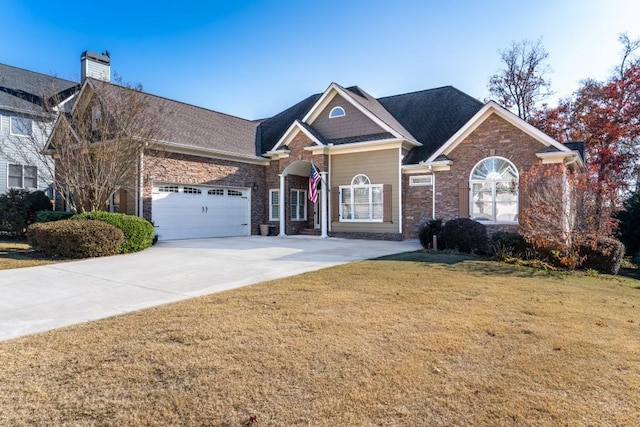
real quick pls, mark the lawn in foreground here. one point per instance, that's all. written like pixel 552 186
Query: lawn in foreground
pixel 17 255
pixel 451 341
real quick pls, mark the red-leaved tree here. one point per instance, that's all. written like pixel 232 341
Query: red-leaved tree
pixel 606 117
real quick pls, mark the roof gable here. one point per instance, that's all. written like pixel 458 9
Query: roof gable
pixel 490 108
pixel 363 102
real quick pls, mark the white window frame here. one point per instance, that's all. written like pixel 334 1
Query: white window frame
pixel 337 112
pixel 22 175
pixel 351 205
pixel 420 180
pixel 11 118
pixel 493 182
pixel 295 211
pixel 274 206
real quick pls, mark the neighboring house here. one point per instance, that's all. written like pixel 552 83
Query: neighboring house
pixel 387 165
pixel 27 100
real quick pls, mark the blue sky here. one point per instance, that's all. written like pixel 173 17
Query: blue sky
pixel 255 58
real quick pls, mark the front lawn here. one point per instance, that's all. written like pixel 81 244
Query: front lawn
pixel 411 340
pixel 15 254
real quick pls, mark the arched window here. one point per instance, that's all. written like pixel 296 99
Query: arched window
pixel 361 201
pixel 494 191
pixel 336 112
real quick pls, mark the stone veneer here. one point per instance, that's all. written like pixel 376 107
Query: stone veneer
pixel 186 169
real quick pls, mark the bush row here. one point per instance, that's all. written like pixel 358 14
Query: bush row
pixel 138 232
pixel 469 236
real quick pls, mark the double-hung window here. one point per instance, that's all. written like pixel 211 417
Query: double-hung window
pixel 274 205
pixel 298 205
pixel 494 191
pixel 21 176
pixel 361 201
pixel 21 126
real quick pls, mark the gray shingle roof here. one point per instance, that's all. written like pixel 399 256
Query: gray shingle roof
pixel 28 91
pixel 432 116
pixel 189 125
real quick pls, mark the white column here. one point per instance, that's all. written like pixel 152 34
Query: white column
pixel 281 205
pixel 323 205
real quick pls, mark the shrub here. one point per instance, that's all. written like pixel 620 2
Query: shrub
pixel 465 235
pixel 428 230
pixel 605 256
pixel 629 226
pixel 76 239
pixel 636 259
pixel 18 209
pixel 48 216
pixel 138 232
pixel 510 243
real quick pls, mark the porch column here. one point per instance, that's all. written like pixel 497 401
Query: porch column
pixel 325 208
pixel 281 206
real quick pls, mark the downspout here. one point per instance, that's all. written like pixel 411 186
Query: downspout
pixel 401 219
pixel 140 186
pixel 433 193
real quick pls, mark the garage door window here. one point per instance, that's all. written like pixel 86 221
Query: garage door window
pixel 168 189
pixel 191 190
pixel 216 192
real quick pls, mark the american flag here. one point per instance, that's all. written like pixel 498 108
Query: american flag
pixel 314 177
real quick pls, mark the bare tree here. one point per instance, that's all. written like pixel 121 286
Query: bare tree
pixel 97 145
pixel 628 57
pixel 523 81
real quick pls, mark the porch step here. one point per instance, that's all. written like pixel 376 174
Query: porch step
pixel 310 232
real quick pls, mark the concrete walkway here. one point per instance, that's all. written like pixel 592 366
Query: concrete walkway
pixel 42 298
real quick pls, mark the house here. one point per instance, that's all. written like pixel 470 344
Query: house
pixel 386 165
pixel 28 104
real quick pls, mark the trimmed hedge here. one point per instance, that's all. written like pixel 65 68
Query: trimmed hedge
pixel 75 238
pixel 465 235
pixel 138 232
pixel 428 230
pixel 606 257
pixel 48 216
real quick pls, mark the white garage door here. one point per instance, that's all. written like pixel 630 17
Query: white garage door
pixel 191 212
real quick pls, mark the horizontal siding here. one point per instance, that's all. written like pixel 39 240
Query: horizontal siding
pixel 353 123
pixel 382 167
pixel 18 150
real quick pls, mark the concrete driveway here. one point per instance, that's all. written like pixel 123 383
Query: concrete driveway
pixel 41 298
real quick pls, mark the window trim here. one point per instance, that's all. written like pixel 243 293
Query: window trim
pixel 336 112
pixel 413 183
pixel 351 189
pixel 513 181
pixel 274 208
pixel 22 175
pixel 298 192
pixel 12 133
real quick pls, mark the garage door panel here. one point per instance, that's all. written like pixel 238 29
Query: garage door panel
pixel 200 212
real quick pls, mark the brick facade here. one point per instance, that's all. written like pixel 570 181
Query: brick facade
pixel 186 169
pixel 277 167
pixel 493 137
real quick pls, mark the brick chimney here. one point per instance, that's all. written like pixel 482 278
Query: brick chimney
pixel 95 65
